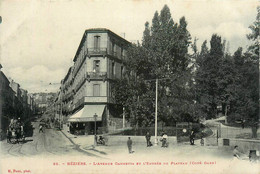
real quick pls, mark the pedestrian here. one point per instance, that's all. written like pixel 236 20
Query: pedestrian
pixel 239 155
pixel 202 141
pixel 243 124
pixel 9 135
pixel 164 140
pixel 129 145
pixel 192 136
pixel 40 128
pixel 148 139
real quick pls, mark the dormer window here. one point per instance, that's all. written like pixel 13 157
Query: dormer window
pixel 96 43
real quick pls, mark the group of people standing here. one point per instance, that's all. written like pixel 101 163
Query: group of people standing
pixel 163 139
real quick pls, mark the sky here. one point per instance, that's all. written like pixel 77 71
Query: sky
pixel 39 38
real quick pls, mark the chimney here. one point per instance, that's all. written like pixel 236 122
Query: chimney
pixel 122 35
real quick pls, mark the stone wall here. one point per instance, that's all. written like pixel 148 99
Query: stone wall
pixel 244 145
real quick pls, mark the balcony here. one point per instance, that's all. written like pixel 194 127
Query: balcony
pixel 95 99
pixel 97 51
pixel 96 75
pixel 79 102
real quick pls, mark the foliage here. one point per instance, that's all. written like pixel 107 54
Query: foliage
pixel 162 55
pixel 254 35
pixel 229 81
pixel 209 77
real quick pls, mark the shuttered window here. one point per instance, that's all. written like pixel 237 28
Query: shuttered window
pixel 96 90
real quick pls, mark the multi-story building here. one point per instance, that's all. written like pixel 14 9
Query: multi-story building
pixel 13 102
pixel 86 90
pixel 7 105
pixel 43 100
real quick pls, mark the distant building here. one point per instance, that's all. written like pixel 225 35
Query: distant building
pixel 86 89
pixel 43 100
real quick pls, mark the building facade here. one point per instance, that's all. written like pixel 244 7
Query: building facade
pixel 86 89
pixel 13 102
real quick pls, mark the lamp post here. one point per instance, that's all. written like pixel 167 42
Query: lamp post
pixel 155 130
pixel 95 136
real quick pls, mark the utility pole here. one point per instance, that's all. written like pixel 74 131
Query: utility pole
pixel 156 99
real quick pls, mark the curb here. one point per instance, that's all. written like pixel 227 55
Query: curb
pixel 69 138
pixel 78 147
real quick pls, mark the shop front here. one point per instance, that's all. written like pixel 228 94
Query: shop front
pixel 87 120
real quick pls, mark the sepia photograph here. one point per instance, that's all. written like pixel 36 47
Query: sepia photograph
pixel 129 86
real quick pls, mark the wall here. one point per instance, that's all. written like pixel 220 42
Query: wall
pixel 244 145
pixel 90 64
pixel 120 139
pixel 89 87
pixel 103 40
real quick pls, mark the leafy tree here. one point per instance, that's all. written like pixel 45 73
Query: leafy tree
pixel 207 77
pixel 163 54
pixel 254 35
pixel 246 102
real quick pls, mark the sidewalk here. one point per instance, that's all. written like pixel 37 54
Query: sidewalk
pixel 119 150
pixel 84 143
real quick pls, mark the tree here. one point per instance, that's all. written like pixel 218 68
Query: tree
pixel 207 77
pixel 163 54
pixel 254 35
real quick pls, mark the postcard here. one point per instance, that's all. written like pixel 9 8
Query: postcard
pixel 129 86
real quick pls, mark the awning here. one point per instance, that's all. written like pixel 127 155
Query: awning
pixel 87 113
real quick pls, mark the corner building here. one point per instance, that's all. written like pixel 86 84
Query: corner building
pixel 86 90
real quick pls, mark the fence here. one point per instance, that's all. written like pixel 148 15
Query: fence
pixel 181 131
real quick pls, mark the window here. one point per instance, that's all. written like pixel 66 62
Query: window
pixel 96 42
pixel 113 49
pixel 122 53
pixel 96 90
pixel 96 66
pixel 113 69
pixel 122 71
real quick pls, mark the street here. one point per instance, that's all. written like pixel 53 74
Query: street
pixel 54 152
pixel 51 142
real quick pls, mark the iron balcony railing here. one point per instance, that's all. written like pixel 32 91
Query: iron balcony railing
pixel 96 75
pixel 104 51
pixel 97 51
pixel 79 102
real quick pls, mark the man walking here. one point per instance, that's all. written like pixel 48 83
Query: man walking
pixel 41 128
pixel 129 145
pixel 148 138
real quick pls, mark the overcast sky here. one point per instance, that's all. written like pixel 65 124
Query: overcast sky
pixel 39 38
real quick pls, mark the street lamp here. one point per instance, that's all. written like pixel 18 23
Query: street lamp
pixel 95 137
pixel 156 105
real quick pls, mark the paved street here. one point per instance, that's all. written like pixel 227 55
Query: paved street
pixel 56 143
pixel 57 150
pixel 229 131
pixel 51 142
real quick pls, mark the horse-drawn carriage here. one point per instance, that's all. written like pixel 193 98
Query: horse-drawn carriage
pixel 15 133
